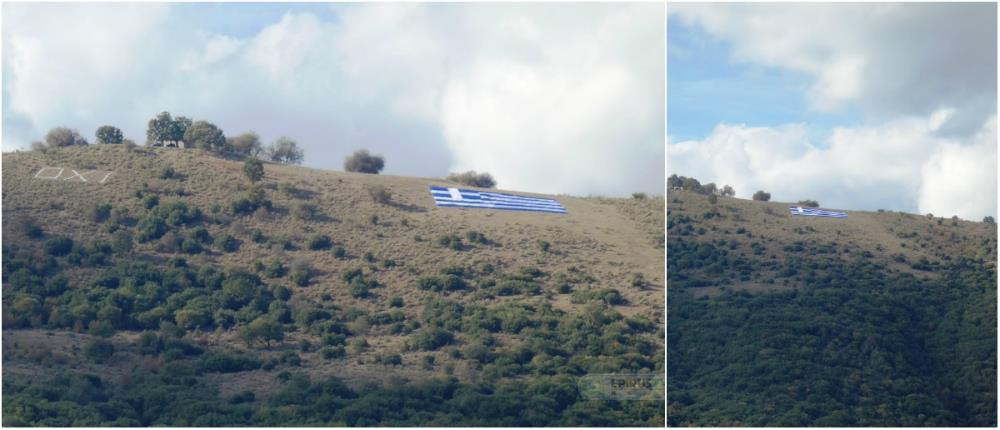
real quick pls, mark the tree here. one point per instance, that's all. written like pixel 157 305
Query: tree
pixel 254 169
pixel 363 162
pixel 160 129
pixel 471 178
pixel 809 203
pixel 205 135
pixel 62 136
pixel 728 191
pixel 285 150
pixel 262 328
pixel 989 220
pixel 109 134
pixel 709 188
pixel 762 196
pixel 246 144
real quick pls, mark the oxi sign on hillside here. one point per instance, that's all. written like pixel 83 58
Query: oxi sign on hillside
pixel 73 175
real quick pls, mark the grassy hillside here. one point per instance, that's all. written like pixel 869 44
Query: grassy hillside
pixel 178 293
pixel 879 319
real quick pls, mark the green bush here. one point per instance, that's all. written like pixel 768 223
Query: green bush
pixel 227 243
pixel 100 212
pixel 451 241
pixel 98 350
pixel 59 246
pixel 319 242
pixel 432 338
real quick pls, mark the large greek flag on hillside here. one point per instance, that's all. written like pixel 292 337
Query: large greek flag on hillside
pixel 801 211
pixel 462 198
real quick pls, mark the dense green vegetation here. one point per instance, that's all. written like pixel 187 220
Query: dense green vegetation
pixel 830 335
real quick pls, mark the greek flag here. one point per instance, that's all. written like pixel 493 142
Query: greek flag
pixel 462 198
pixel 801 211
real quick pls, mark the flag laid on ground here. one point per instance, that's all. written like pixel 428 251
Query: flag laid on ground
pixel 463 198
pixel 801 211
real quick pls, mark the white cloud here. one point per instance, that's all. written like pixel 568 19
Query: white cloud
pixel 901 164
pixel 923 75
pixel 544 99
pixel 889 59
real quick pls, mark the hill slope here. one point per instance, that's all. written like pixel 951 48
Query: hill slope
pixel 259 294
pixel 879 319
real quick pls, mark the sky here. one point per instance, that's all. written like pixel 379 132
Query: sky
pixel 549 98
pixel 858 106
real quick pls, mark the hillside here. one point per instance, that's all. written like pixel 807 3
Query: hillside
pixel 187 296
pixel 879 319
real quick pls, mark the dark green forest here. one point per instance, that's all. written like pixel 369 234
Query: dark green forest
pixel 841 339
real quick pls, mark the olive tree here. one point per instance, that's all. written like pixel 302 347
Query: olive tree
pixel 363 162
pixel 109 134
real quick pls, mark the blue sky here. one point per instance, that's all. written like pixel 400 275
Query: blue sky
pixel 860 106
pixel 435 88
pixel 706 86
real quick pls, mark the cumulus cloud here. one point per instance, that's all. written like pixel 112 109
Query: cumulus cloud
pixel 889 59
pixel 545 100
pixel 922 75
pixel 903 164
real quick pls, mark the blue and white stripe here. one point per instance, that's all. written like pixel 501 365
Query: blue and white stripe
pixel 801 211
pixel 463 198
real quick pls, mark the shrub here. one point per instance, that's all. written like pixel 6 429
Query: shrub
pixel 390 360
pixel 430 339
pixel 305 211
pixel 319 242
pixel 363 162
pixel 100 212
pixel 762 196
pixel 639 196
pixel 150 201
pixel 258 236
pixel 62 136
pixel 253 168
pixel 638 281
pixel 477 237
pixel 222 362
pixel 150 227
pixel 359 288
pixel 274 269
pixel 59 246
pixel 168 173
pixel 473 179
pixel 30 228
pixel 227 243
pixel 380 194
pixel 301 273
pixel 441 283
pixel 807 203
pixel 339 252
pixel 450 241
pixel 544 245
pixel 99 350
pixel 333 352
pixel 191 245
pixel 396 302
